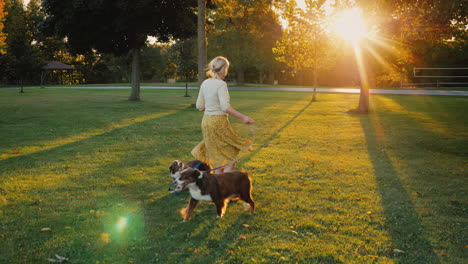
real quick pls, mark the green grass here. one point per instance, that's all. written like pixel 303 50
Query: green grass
pixel 330 187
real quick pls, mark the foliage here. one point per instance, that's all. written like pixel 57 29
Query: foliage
pixel 330 187
pixel 119 27
pixel 306 42
pixel 35 16
pixel 408 34
pixel 245 32
pixel 184 55
pixel 419 33
pixel 22 59
pixel 2 34
pixel 153 62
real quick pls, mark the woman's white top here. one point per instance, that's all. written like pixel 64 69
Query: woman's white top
pixel 213 97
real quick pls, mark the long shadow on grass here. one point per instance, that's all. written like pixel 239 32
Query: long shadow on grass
pixel 402 220
pixel 86 135
pixel 79 202
pixel 76 204
pixel 265 142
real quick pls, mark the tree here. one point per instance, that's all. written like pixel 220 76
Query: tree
pixel 153 61
pixel 22 59
pixel 120 26
pixel 2 34
pixel 305 42
pixel 201 40
pixel 240 32
pixel 184 56
pixel 34 17
pixel 411 33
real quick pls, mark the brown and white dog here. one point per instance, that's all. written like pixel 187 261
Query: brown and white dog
pixel 216 188
pixel 178 166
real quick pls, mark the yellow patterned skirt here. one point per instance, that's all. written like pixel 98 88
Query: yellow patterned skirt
pixel 220 143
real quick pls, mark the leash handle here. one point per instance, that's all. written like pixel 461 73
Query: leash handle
pixel 252 131
pixel 220 167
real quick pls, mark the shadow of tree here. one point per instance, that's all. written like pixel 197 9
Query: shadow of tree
pixel 266 141
pixel 85 188
pixel 402 221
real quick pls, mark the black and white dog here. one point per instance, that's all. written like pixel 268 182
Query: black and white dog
pixel 177 166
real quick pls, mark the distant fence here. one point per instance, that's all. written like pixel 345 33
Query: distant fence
pixel 438 78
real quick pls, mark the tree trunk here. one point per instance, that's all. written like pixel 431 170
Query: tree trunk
pixel 314 95
pixel 301 77
pixel 240 75
pixel 271 76
pixel 42 78
pixel 201 34
pixel 363 81
pixel 135 94
pixel 186 86
pixel 21 83
pixel 363 106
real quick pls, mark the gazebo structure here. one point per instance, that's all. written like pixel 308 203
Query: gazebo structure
pixel 61 71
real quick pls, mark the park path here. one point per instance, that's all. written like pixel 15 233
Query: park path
pixel 290 89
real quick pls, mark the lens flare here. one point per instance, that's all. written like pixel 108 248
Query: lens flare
pixel 122 224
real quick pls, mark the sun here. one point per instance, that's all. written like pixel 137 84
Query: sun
pixel 350 25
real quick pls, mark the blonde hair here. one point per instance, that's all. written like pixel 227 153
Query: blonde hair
pixel 217 65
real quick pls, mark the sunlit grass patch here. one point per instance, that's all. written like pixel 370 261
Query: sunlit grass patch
pixel 331 187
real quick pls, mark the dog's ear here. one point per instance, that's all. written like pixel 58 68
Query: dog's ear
pixel 174 163
pixel 198 174
pixel 204 167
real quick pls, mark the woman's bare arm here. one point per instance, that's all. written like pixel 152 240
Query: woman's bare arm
pixel 247 120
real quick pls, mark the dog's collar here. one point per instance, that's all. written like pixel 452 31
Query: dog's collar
pixel 172 190
pixel 198 165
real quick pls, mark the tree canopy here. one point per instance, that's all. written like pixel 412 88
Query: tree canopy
pixel 20 59
pixel 245 32
pixel 2 26
pixel 118 26
pixel 105 39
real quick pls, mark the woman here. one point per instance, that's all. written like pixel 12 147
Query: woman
pixel 220 145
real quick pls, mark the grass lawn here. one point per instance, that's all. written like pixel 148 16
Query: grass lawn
pixel 83 174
